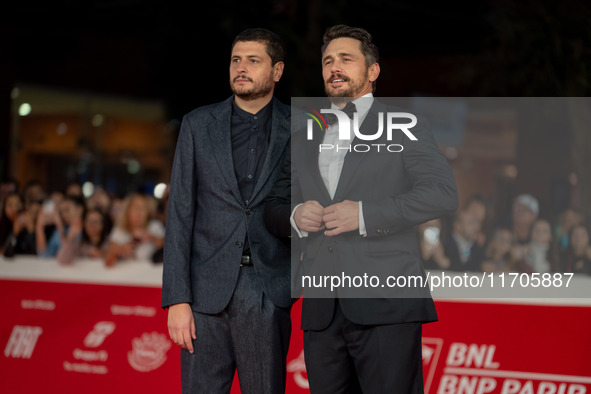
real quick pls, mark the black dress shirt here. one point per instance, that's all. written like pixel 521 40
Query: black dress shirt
pixel 250 140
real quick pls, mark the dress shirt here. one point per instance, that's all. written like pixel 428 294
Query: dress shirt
pixel 330 162
pixel 250 135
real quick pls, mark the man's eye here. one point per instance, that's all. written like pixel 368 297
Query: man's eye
pixel 254 61
pixel 235 60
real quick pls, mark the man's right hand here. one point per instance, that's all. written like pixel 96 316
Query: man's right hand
pixel 308 216
pixel 181 325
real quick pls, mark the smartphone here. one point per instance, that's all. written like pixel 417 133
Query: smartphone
pixel 431 235
pixel 48 207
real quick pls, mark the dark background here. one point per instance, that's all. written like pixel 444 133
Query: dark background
pixel 178 53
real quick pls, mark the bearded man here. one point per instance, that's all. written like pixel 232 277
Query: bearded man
pixel 226 277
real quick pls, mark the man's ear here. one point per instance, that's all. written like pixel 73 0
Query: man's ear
pixel 373 72
pixel 278 71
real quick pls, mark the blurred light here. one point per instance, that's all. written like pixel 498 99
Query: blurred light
pixel 133 166
pixel 510 171
pixel 98 120
pixel 159 190
pixel 24 109
pixel 62 129
pixel 87 189
pixel 573 178
pixel 15 93
pixel 451 153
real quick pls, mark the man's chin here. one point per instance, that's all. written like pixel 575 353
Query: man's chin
pixel 337 93
pixel 249 95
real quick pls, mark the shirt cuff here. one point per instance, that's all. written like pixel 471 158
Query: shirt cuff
pixel 301 233
pixel 362 229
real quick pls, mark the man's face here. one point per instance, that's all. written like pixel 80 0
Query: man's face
pixel 344 70
pixel 467 226
pixel 251 73
pixel 523 215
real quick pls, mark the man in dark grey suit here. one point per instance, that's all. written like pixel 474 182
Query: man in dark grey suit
pixel 226 277
pixel 354 211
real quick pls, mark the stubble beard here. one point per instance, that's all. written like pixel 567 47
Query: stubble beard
pixel 260 89
pixel 340 97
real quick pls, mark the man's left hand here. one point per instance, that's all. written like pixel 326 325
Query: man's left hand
pixel 341 217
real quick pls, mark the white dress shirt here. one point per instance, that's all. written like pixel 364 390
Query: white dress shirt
pixel 330 162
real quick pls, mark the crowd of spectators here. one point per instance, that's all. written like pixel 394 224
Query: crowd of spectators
pixel 521 241
pixel 67 226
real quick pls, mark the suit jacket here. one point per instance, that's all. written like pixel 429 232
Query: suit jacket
pixel 398 191
pixel 207 219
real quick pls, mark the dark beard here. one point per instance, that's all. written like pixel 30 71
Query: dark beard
pixel 257 91
pixel 341 96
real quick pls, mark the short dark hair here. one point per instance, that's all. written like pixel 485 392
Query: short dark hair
pixel 273 43
pixel 368 48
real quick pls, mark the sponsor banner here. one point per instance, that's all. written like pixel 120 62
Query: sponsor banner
pixel 72 338
pixel 81 338
pixel 508 349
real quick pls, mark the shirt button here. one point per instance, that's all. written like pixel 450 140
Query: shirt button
pixel 238 244
pixel 255 117
pixel 330 249
pixel 247 211
pixel 246 202
pixel 252 151
pixel 249 176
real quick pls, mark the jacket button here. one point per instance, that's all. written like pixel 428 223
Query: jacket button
pixel 238 244
pixel 379 231
pixel 247 211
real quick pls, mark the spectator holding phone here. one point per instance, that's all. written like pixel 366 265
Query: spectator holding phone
pixel 86 240
pixel 68 217
pixel 136 235
pixel 432 252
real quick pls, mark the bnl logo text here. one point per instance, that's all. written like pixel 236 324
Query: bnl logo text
pixel 344 125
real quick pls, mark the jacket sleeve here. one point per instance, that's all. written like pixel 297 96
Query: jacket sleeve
pixel 432 194
pixel 278 202
pixel 176 279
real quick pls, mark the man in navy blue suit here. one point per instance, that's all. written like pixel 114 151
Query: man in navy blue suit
pixel 226 277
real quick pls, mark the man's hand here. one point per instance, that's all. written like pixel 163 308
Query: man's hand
pixel 308 216
pixel 341 217
pixel 181 325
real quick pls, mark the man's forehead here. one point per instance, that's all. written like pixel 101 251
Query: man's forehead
pixel 343 45
pixel 249 46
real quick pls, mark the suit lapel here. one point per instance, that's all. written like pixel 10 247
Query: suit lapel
pixel 312 154
pixel 353 159
pixel 221 138
pixel 280 132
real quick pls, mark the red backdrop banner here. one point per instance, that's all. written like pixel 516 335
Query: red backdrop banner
pixel 73 338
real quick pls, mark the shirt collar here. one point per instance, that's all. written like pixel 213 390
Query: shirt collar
pixel 265 111
pixel 362 104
